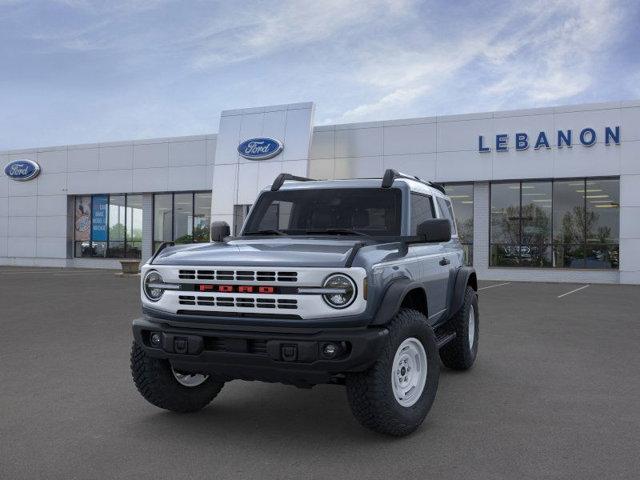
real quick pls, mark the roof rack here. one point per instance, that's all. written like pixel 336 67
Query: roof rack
pixel 283 177
pixel 390 175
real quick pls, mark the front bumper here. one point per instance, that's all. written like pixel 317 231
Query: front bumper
pixel 292 355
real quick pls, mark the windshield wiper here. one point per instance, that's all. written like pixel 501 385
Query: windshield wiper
pixel 337 231
pixel 266 232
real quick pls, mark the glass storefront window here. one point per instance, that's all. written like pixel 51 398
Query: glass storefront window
pixel 82 226
pixel 461 195
pixel 568 223
pixel 201 216
pixel 134 226
pixel 108 226
pixel 505 224
pixel 535 240
pixel 603 223
pixel 563 224
pixel 162 219
pixel 117 220
pixel 183 217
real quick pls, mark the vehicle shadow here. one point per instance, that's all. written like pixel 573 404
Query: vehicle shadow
pixel 262 412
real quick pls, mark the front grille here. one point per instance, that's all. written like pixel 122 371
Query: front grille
pixel 238 302
pixel 238 275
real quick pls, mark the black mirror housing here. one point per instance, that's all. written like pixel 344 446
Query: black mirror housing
pixel 435 230
pixel 219 231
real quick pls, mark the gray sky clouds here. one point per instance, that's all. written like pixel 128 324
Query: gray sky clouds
pixel 76 71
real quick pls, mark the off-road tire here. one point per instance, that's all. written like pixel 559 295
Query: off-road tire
pixel 156 383
pixel 370 393
pixel 458 354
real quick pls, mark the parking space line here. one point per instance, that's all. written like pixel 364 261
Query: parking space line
pixel 573 291
pixel 494 285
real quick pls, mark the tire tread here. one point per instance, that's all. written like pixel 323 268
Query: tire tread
pixel 368 392
pixel 455 354
pixel 155 382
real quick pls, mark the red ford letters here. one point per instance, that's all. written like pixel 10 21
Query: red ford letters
pixel 236 288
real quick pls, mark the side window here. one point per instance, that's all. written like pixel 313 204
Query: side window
pixel 447 211
pixel 421 210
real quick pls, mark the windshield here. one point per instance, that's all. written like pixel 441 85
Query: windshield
pixel 330 211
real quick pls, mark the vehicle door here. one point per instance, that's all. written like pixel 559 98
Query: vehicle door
pixel 433 269
pixel 453 249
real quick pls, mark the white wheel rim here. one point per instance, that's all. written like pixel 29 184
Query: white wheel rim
pixel 472 327
pixel 188 379
pixel 409 373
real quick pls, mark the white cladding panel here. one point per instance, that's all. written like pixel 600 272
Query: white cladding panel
pixel 34 214
pixel 454 142
pixel 237 180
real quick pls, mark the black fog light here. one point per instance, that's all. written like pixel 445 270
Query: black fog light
pixel 155 339
pixel 331 350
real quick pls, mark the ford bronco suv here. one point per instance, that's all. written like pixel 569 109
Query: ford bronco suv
pixel 352 282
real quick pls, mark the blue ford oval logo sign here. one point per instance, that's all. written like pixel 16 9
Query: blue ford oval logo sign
pixel 22 170
pixel 260 148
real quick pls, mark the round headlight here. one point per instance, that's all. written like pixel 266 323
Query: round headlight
pixel 342 291
pixel 150 288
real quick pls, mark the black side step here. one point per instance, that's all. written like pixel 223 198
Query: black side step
pixel 442 340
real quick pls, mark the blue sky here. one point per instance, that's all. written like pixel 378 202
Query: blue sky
pixel 76 71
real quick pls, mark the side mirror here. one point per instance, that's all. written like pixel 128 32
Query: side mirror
pixel 435 230
pixel 219 230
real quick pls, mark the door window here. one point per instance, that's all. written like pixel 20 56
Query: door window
pixel 447 211
pixel 421 210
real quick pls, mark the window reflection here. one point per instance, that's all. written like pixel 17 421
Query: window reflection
pixel 505 224
pixel 182 217
pixel 564 224
pixel 201 217
pixel 536 200
pixel 603 223
pixel 162 219
pixel 117 220
pixel 108 226
pixel 134 226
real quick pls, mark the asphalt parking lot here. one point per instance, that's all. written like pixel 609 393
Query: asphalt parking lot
pixel 554 394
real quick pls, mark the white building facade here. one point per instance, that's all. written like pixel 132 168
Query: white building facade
pixel 549 194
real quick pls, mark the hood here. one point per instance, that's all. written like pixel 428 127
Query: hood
pixel 274 252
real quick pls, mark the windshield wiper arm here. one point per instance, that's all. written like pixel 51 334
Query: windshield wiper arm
pixel 337 231
pixel 266 232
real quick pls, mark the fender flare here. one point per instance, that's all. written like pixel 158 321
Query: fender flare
pixel 392 299
pixel 465 276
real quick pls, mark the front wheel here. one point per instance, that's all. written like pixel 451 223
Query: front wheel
pixel 164 387
pixel 394 396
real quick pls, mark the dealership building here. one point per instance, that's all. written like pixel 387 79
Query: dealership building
pixel 547 194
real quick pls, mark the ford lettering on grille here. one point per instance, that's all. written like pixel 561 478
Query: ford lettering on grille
pixel 206 287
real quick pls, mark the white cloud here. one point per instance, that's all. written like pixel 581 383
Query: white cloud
pixel 164 67
pixel 259 32
pixel 543 52
pixel 554 63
